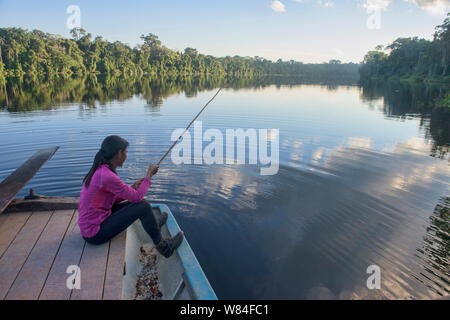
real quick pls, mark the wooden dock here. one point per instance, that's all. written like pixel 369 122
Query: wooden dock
pixel 37 247
pixel 40 240
pixel 42 250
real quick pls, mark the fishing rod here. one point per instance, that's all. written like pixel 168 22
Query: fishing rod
pixel 187 128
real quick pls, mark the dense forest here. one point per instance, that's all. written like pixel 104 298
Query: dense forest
pixel 410 58
pixel 38 53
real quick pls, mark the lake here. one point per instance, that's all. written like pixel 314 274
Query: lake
pixel 363 178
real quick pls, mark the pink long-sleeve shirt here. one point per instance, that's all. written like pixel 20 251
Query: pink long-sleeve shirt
pixel 96 201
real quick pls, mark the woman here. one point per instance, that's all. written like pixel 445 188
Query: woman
pixel 102 214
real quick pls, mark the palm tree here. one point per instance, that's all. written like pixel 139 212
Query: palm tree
pixel 77 33
pixel 2 42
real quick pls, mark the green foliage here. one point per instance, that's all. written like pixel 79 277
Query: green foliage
pixel 36 52
pixel 445 102
pixel 411 58
pixel 2 75
pixel 77 33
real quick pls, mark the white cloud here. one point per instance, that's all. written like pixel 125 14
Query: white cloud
pixel 440 7
pixel 277 6
pixel 327 4
pixel 377 4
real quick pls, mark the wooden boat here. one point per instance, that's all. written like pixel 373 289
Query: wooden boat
pixel 43 256
pixel 180 276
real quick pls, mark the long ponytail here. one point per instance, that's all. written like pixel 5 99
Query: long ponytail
pixel 110 147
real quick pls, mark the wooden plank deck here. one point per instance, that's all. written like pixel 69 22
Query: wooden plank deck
pixel 36 248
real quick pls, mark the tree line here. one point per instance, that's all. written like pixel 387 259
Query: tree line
pixel 35 52
pixel 410 58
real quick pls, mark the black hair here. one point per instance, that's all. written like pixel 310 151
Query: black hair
pixel 110 147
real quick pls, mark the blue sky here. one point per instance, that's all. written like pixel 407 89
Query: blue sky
pixel 302 30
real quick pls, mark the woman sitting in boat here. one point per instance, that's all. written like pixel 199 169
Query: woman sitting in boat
pixel 103 212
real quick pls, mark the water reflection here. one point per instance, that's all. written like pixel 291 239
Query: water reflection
pixel 401 100
pixel 36 93
pixel 435 249
pixel 366 217
pixel 395 99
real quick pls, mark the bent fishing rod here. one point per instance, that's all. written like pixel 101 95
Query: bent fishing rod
pixel 187 128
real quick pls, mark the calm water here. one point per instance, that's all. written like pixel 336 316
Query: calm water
pixel 358 185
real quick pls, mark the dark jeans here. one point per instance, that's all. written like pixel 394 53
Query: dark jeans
pixel 124 214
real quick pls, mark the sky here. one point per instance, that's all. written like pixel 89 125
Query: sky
pixel 311 31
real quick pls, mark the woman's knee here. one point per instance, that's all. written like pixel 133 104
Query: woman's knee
pixel 144 205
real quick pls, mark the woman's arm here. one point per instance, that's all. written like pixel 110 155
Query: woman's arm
pixel 121 190
pixel 135 186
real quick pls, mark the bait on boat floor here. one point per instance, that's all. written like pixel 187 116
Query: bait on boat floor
pixel 42 253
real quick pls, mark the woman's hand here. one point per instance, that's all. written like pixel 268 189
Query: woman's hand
pixel 137 184
pixel 152 170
